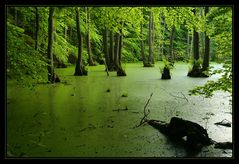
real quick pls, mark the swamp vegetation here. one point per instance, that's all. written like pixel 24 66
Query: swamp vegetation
pixel 80 81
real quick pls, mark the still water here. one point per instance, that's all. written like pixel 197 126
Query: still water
pixel 79 118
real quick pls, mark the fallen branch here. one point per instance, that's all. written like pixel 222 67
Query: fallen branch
pixel 143 120
pixel 227 124
pixel 184 97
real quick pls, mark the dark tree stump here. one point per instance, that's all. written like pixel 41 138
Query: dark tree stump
pixel 56 78
pixel 121 72
pixel 197 72
pixel 81 72
pixel 148 65
pixel 196 135
pixel 166 73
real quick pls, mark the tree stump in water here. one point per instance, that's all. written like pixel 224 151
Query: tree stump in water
pixel 196 135
pixel 166 73
pixel 197 72
pixel 148 65
pixel 56 78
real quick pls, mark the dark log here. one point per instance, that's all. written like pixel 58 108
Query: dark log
pixel 224 145
pixel 196 135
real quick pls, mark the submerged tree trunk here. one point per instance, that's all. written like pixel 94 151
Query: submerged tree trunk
pixel 207 48
pixel 37 29
pixel 90 60
pixel 79 69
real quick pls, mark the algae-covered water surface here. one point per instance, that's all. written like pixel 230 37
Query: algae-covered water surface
pixel 87 116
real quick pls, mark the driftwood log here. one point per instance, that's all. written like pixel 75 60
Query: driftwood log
pixel 196 136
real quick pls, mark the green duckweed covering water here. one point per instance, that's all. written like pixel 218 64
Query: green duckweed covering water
pixel 80 118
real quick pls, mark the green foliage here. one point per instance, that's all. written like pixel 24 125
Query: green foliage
pixel 195 63
pixel 224 83
pixel 23 62
pixel 167 64
pixel 62 49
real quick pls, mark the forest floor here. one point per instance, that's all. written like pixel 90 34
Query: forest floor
pixel 86 116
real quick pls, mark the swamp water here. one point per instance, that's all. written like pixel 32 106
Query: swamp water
pixel 79 118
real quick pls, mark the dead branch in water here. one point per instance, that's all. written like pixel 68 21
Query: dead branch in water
pixel 146 113
pixel 223 123
pixel 184 97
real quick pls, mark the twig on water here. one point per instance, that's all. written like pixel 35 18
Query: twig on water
pixel 146 113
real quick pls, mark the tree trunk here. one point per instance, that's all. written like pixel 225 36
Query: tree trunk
pixel 116 50
pixel 111 53
pixel 191 46
pixel 105 45
pixel 195 45
pixel 120 47
pixel 172 57
pixel 142 44
pixel 195 42
pixel 51 75
pixel 90 60
pixel 79 69
pixel 207 47
pixel 188 45
pixel 150 39
pixel 120 71
pixel 37 29
pixel 163 33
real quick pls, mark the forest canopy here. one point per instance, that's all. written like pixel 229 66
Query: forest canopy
pixel 88 36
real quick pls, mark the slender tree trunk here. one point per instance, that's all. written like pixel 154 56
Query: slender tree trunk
pixel 37 29
pixel 152 26
pixel 162 39
pixel 188 45
pixel 79 69
pixel 105 45
pixel 90 60
pixel 120 47
pixel 195 42
pixel 172 57
pixel 111 53
pixel 191 46
pixel 50 43
pixel 207 47
pixel 195 45
pixel 119 69
pixel 116 48
pixel 202 40
pixel 150 39
pixel 196 71
pixel 142 44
